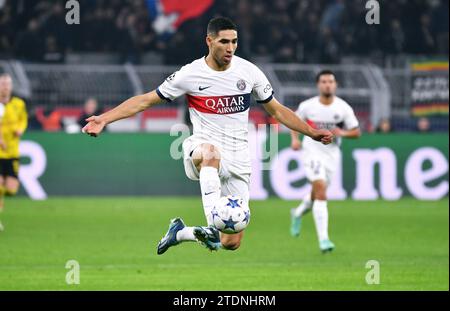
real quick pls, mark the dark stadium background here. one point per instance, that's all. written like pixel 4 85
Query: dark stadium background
pixel 282 31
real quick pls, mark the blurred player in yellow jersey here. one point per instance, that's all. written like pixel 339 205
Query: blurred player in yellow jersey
pixel 13 123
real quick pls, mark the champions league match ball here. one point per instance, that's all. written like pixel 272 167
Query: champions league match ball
pixel 230 214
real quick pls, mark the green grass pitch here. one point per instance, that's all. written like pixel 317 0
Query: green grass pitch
pixel 114 240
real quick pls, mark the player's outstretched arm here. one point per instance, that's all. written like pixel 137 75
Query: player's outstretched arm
pixel 287 117
pixel 128 108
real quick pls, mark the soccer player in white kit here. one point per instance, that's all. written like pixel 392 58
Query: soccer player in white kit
pixel 326 111
pixel 218 89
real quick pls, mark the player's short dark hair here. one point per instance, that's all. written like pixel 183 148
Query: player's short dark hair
pixel 220 23
pixel 325 73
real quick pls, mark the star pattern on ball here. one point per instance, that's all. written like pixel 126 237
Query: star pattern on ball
pixel 233 203
pixel 247 217
pixel 214 213
pixel 229 223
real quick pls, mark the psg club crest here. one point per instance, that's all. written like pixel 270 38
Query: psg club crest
pixel 241 85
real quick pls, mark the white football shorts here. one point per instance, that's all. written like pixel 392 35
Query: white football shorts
pixel 319 167
pixel 233 181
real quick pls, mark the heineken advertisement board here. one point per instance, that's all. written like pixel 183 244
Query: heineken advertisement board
pixel 373 167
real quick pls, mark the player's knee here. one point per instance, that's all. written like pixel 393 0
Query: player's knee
pixel 321 195
pixel 210 156
pixel 231 245
pixel 230 242
pixel 320 191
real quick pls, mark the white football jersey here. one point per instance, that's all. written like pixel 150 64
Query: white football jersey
pixel 219 101
pixel 320 116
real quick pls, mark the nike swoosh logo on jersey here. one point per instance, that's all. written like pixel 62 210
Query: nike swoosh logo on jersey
pixel 209 193
pixel 200 88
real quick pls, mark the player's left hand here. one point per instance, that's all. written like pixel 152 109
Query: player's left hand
pixel 324 136
pixel 94 127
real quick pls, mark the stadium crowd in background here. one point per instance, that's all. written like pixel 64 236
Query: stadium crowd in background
pixel 50 120
pixel 304 31
pixel 280 31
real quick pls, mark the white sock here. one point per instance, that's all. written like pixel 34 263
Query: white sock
pixel 320 213
pixel 186 234
pixel 304 206
pixel 210 187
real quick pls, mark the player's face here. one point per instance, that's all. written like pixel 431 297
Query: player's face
pixel 223 46
pixel 327 85
pixel 5 86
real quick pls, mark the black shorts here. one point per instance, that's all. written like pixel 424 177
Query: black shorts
pixel 9 167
